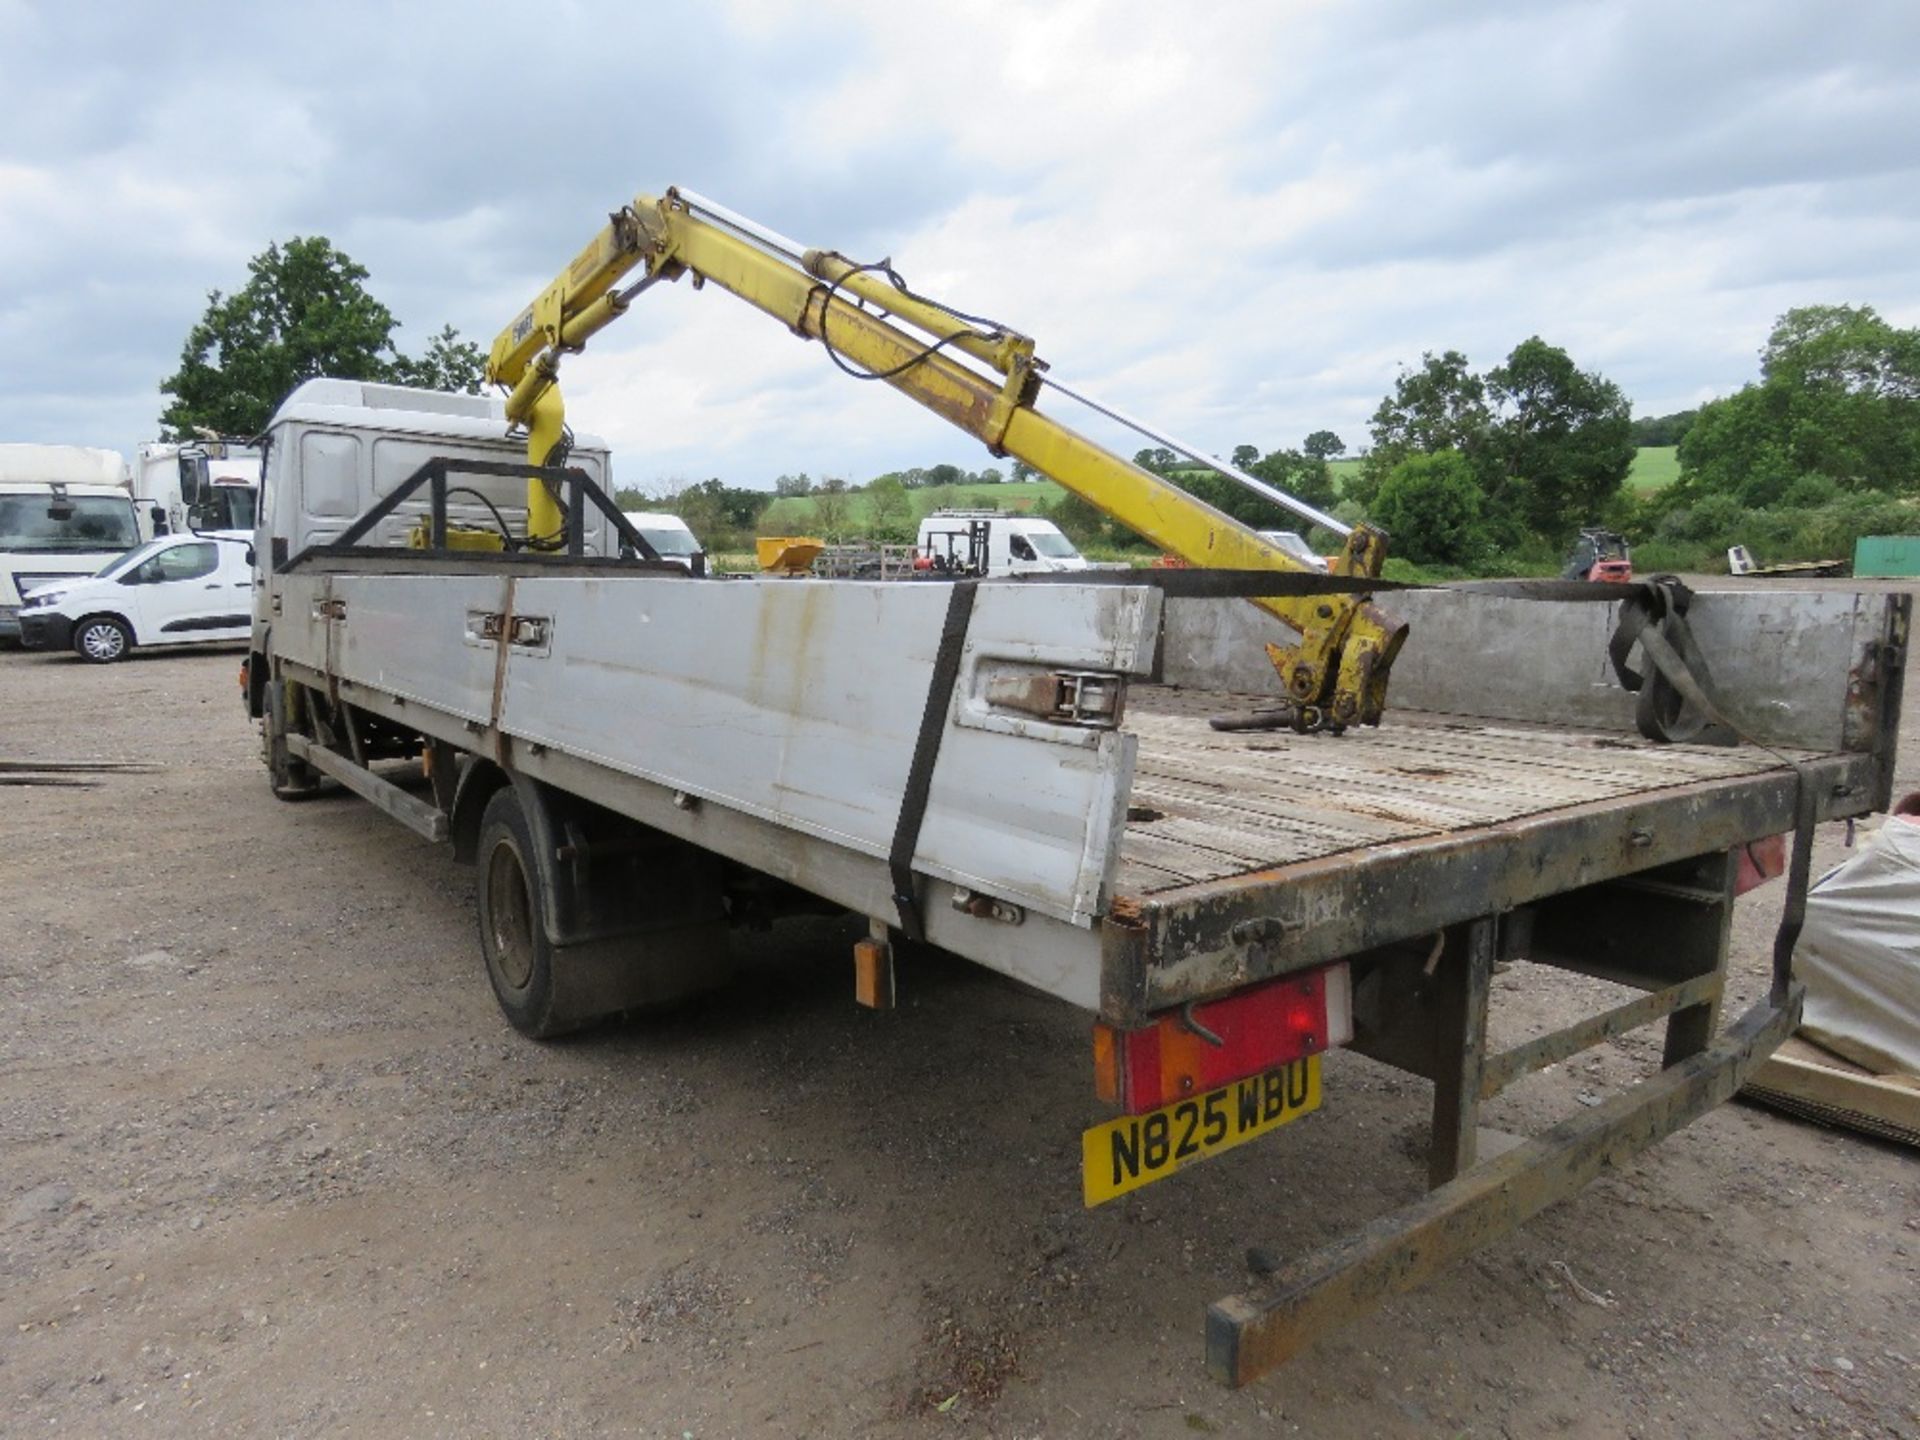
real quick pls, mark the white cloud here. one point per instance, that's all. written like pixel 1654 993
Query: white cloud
pixel 1237 219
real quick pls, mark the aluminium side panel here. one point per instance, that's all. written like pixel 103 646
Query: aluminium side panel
pixel 421 637
pixel 800 702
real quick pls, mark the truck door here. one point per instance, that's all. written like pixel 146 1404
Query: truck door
pixel 1022 558
pixel 999 555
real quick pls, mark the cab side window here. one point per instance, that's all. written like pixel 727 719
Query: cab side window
pixel 1023 548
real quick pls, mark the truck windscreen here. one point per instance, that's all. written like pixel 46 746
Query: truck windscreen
pixel 39 524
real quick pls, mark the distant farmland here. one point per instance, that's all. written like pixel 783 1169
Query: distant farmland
pixel 1655 466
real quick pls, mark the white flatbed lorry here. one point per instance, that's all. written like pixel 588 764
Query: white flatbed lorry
pixel 1129 790
pixel 637 758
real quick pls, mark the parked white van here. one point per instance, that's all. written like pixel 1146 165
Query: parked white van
pixel 988 542
pixel 177 590
pixel 670 537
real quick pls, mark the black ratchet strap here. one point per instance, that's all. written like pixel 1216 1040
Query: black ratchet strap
pixel 926 750
pixel 1677 699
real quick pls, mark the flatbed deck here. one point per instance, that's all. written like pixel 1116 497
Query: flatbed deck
pixel 1207 805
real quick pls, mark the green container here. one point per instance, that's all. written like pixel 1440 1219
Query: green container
pixel 1886 557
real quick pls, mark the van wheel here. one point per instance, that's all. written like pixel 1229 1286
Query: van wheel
pixel 102 639
pixel 513 921
pixel 290 779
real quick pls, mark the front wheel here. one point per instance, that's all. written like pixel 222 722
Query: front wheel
pixel 290 779
pixel 102 639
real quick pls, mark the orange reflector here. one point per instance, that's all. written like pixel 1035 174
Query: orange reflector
pixel 873 974
pixel 1205 1046
pixel 1106 1063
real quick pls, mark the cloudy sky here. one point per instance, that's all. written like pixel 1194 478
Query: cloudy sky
pixel 1236 219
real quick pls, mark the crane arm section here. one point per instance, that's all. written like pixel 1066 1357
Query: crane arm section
pixel 1336 673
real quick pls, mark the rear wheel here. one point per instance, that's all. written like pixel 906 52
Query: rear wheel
pixel 513 930
pixel 102 639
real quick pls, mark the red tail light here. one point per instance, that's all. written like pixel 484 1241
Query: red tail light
pixel 1205 1046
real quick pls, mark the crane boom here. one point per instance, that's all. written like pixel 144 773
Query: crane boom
pixel 1338 670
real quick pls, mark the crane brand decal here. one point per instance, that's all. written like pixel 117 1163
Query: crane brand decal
pixel 1137 1150
pixel 523 327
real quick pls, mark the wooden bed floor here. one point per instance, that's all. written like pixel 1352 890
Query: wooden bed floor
pixel 1208 804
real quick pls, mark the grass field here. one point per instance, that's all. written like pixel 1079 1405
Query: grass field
pixel 1654 468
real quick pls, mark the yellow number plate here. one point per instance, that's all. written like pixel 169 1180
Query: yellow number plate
pixel 1137 1150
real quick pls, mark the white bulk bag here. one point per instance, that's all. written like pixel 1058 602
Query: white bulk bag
pixel 1860 954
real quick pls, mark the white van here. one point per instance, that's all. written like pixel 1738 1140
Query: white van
pixel 670 537
pixel 177 590
pixel 65 510
pixel 988 542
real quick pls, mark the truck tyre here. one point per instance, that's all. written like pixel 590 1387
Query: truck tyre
pixel 102 639
pixel 513 920
pixel 290 779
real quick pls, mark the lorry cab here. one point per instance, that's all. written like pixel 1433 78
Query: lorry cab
pixel 196 485
pixel 987 542
pixel 176 590
pixel 65 510
pixel 671 537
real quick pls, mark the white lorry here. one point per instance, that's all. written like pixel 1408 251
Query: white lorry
pixel 636 758
pixel 65 510
pixel 989 542
pixel 1128 790
pixel 197 485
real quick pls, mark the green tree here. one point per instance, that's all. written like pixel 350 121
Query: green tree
pixel 1156 458
pixel 1562 442
pixel 1078 520
pixel 721 515
pixel 832 510
pixel 792 484
pixel 1306 477
pixel 1838 398
pixel 1245 456
pixel 889 510
pixel 449 363
pixel 1023 472
pixel 1440 406
pixel 1324 445
pixel 1663 429
pixel 303 311
pixel 1431 507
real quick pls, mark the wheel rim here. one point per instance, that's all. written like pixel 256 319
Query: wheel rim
pixel 509 917
pixel 103 642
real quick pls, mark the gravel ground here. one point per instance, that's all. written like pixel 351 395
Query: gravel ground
pixel 275 1165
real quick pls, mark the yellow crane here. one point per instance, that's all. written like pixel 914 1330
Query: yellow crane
pixel 1336 675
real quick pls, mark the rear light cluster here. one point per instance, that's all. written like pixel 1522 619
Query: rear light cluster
pixel 1204 1046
